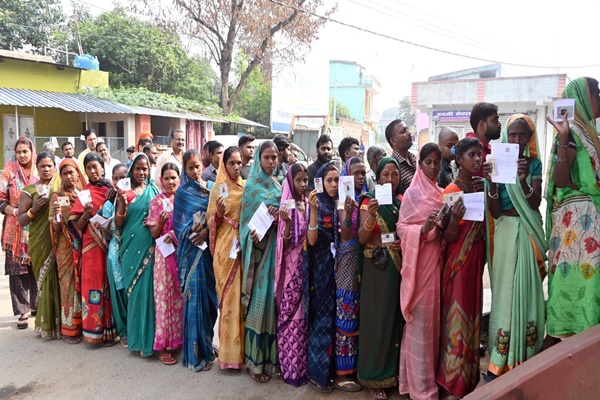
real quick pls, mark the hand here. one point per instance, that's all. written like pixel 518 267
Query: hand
pixel 197 228
pixel 284 214
pixel 122 197
pixel 55 208
pixel 561 127
pixel 487 171
pixel 200 237
pixel 164 217
pixel 523 169
pixel 429 224
pixel 396 245
pixel 373 207
pixel 313 200
pixel 458 210
pixel 349 205
pixel 478 184
pixel 88 209
pixel 168 239
pixel 38 204
pixel 98 226
pixel 110 193
pixel 254 236
pixel 221 207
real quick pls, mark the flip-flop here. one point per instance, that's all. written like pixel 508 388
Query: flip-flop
pixel 347 386
pixel 124 341
pixel 260 378
pixel 72 339
pixel 377 396
pixel 23 323
pixel 320 388
pixel 167 359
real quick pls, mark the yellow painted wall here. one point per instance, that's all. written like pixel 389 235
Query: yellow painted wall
pixel 48 122
pixel 93 79
pixel 21 74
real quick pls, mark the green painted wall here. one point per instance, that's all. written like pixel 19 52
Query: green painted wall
pixel 21 74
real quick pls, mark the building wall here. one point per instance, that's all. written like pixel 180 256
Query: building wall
pixel 22 74
pixel 353 98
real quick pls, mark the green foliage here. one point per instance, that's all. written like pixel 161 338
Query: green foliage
pixel 28 23
pixel 403 112
pixel 254 101
pixel 341 110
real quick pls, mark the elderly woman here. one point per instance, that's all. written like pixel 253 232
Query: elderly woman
pixel 573 216
pixel 381 322
pixel 420 287
pixel 33 211
pixel 19 172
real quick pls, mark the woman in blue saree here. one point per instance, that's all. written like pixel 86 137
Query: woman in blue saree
pixel 258 266
pixel 195 265
pixel 137 254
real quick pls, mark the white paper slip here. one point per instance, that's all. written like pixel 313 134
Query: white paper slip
pixel 124 184
pixel 63 201
pixel 333 249
pixel 203 246
pixel 562 107
pixel 85 197
pixel 167 206
pixel 290 204
pixel 166 249
pixel 261 221
pixel 388 237
pixel 475 206
pixel 100 220
pixel 452 198
pixel 346 188
pixel 54 142
pixel 224 192
pixel 42 190
pixel 200 218
pixel 82 137
pixel 319 185
pixel 235 248
pixel 72 141
pixel 383 194
pixel 506 158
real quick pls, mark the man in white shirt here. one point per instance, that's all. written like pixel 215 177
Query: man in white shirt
pixel 174 155
pixel 91 140
pixel 68 150
pixel 109 162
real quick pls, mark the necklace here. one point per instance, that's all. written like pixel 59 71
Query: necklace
pixel 140 189
pixel 467 186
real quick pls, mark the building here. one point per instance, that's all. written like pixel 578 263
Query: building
pixel 448 99
pixel 350 85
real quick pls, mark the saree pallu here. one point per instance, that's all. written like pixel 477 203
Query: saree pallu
pixel 573 276
pixel 66 249
pixel 196 275
pixel 43 261
pixel 517 315
pixel 347 296
pixel 168 299
pixel 137 262
pixel 319 291
pixel 118 295
pixel 462 301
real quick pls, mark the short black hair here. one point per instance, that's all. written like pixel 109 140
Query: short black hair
pixel 245 139
pixel 465 144
pixel 101 144
pixel 131 149
pixel 119 166
pixel 172 135
pixel 144 142
pixel 148 147
pixel 88 132
pixel 324 139
pixel 389 130
pixel 229 151
pixel 281 142
pixel 169 166
pixel 346 144
pixel 65 144
pixel 214 145
pixel 481 112
pixel 429 148
pixel 43 155
pixel 208 144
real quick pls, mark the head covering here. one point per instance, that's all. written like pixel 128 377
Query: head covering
pixel 327 214
pixel 289 193
pixel 144 135
pixel 93 156
pixel 134 159
pixel 80 184
pixel 382 163
pixel 532 147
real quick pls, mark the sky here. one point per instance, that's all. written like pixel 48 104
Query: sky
pixel 558 36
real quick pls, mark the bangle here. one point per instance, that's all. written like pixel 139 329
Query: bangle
pixel 564 146
pixel 122 215
pixel 348 224
pixel 452 232
pixel 311 228
pixel 287 238
pixel 368 228
pixel 560 159
pixel 30 214
pixel 492 196
pixel 528 195
pixel 15 212
pixel 217 217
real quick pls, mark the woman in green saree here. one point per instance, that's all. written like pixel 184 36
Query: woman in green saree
pixel 137 254
pixel 381 322
pixel 517 315
pixel 33 211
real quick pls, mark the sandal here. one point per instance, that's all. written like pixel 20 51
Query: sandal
pixel 167 358
pixel 260 378
pixel 319 388
pixel 124 341
pixel 23 322
pixel 72 339
pixel 379 394
pixel 206 368
pixel 347 385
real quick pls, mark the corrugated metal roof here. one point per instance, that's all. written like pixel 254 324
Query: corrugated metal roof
pixel 72 102
pixel 171 114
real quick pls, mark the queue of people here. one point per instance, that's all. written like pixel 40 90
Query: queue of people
pixel 338 293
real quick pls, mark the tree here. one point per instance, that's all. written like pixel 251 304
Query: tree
pixel 141 54
pixel 28 23
pixel 341 110
pixel 403 112
pixel 254 101
pixel 264 30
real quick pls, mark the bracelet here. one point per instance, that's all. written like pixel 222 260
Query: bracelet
pixel 122 215
pixel 493 196
pixel 564 146
pixel 348 224
pixel 311 228
pixel 30 214
pixel 560 159
pixel 530 192
pixel 451 232
pixel 16 212
pixel 287 238
pixel 368 228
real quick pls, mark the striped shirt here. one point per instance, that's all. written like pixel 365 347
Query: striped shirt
pixel 408 168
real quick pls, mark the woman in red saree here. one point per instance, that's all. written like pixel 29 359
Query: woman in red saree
pixel 97 322
pixel 462 288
